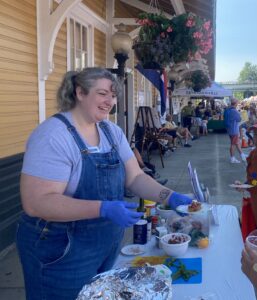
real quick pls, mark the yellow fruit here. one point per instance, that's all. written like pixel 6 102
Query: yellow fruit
pixel 203 243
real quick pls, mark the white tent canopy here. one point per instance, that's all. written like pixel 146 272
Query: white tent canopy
pixel 214 91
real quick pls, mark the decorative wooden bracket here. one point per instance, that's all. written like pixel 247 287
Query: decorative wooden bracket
pixel 48 27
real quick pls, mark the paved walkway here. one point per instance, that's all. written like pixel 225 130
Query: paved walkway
pixel 209 155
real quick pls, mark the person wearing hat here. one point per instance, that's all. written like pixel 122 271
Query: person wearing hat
pixel 187 113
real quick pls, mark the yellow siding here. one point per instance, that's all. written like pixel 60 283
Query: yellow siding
pixel 97 6
pixel 18 74
pixel 100 48
pixel 60 68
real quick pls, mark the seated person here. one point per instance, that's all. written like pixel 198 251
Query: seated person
pixel 147 167
pixel 149 122
pixel 172 129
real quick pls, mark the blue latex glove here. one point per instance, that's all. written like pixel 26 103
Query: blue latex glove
pixel 177 199
pixel 120 213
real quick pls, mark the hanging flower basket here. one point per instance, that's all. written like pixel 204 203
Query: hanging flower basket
pixel 191 37
pixel 153 55
pixel 197 80
pixel 153 46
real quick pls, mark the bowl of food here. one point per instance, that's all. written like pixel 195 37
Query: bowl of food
pixel 164 211
pixel 175 244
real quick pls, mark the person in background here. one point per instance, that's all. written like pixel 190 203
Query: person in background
pixel 198 119
pixel 75 169
pixel 252 119
pixel 249 256
pixel 187 113
pixel 208 112
pixel 204 125
pixel 232 120
pixel 251 174
pixel 171 128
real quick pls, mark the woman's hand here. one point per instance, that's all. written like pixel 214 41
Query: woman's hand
pixel 249 264
pixel 120 212
pixel 177 199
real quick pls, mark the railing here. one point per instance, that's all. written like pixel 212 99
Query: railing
pixel 235 86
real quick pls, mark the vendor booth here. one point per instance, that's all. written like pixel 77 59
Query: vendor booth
pixel 214 91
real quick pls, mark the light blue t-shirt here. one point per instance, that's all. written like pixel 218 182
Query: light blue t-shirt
pixel 52 154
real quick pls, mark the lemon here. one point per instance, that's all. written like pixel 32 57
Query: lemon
pixel 203 243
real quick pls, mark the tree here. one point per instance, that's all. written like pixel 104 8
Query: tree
pixel 248 73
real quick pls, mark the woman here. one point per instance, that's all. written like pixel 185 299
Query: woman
pixel 75 169
pixel 249 210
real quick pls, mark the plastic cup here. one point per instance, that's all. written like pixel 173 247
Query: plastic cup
pixel 251 242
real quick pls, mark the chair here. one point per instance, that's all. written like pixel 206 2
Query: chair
pixel 147 121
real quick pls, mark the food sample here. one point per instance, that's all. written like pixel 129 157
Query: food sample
pixel 194 206
pixel 203 243
pixel 177 239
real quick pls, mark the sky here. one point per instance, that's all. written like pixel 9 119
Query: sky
pixel 236 37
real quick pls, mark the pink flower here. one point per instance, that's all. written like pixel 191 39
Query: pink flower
pixel 163 35
pixel 169 29
pixel 197 35
pixel 207 25
pixel 190 23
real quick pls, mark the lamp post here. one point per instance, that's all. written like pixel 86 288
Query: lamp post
pixel 121 44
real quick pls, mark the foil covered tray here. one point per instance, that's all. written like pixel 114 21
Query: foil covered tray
pixel 134 283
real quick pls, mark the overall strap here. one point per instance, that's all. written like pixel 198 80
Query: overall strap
pixel 107 131
pixel 82 147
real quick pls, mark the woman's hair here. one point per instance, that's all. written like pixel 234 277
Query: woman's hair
pixel 66 94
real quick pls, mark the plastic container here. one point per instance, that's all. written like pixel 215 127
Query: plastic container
pixel 164 213
pixel 251 241
pixel 150 208
pixel 176 249
pixel 160 232
pixel 195 224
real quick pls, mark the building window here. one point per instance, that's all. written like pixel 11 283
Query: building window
pixel 78 46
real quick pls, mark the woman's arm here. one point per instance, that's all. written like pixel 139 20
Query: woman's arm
pixel 143 185
pixel 44 199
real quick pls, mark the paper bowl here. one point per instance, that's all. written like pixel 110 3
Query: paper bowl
pixel 178 249
pixel 164 213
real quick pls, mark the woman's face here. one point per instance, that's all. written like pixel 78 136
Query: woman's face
pixel 98 103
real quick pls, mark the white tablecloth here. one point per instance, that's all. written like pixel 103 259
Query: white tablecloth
pixel 221 267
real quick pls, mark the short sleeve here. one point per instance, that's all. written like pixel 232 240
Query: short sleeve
pixel 48 158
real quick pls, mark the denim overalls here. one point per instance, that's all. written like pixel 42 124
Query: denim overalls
pixel 58 258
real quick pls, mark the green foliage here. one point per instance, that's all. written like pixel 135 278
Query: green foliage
pixel 197 80
pixel 248 73
pixel 239 95
pixel 162 41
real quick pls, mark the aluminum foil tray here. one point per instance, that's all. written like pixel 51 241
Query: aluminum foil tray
pixel 134 283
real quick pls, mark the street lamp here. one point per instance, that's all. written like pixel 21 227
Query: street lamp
pixel 121 44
